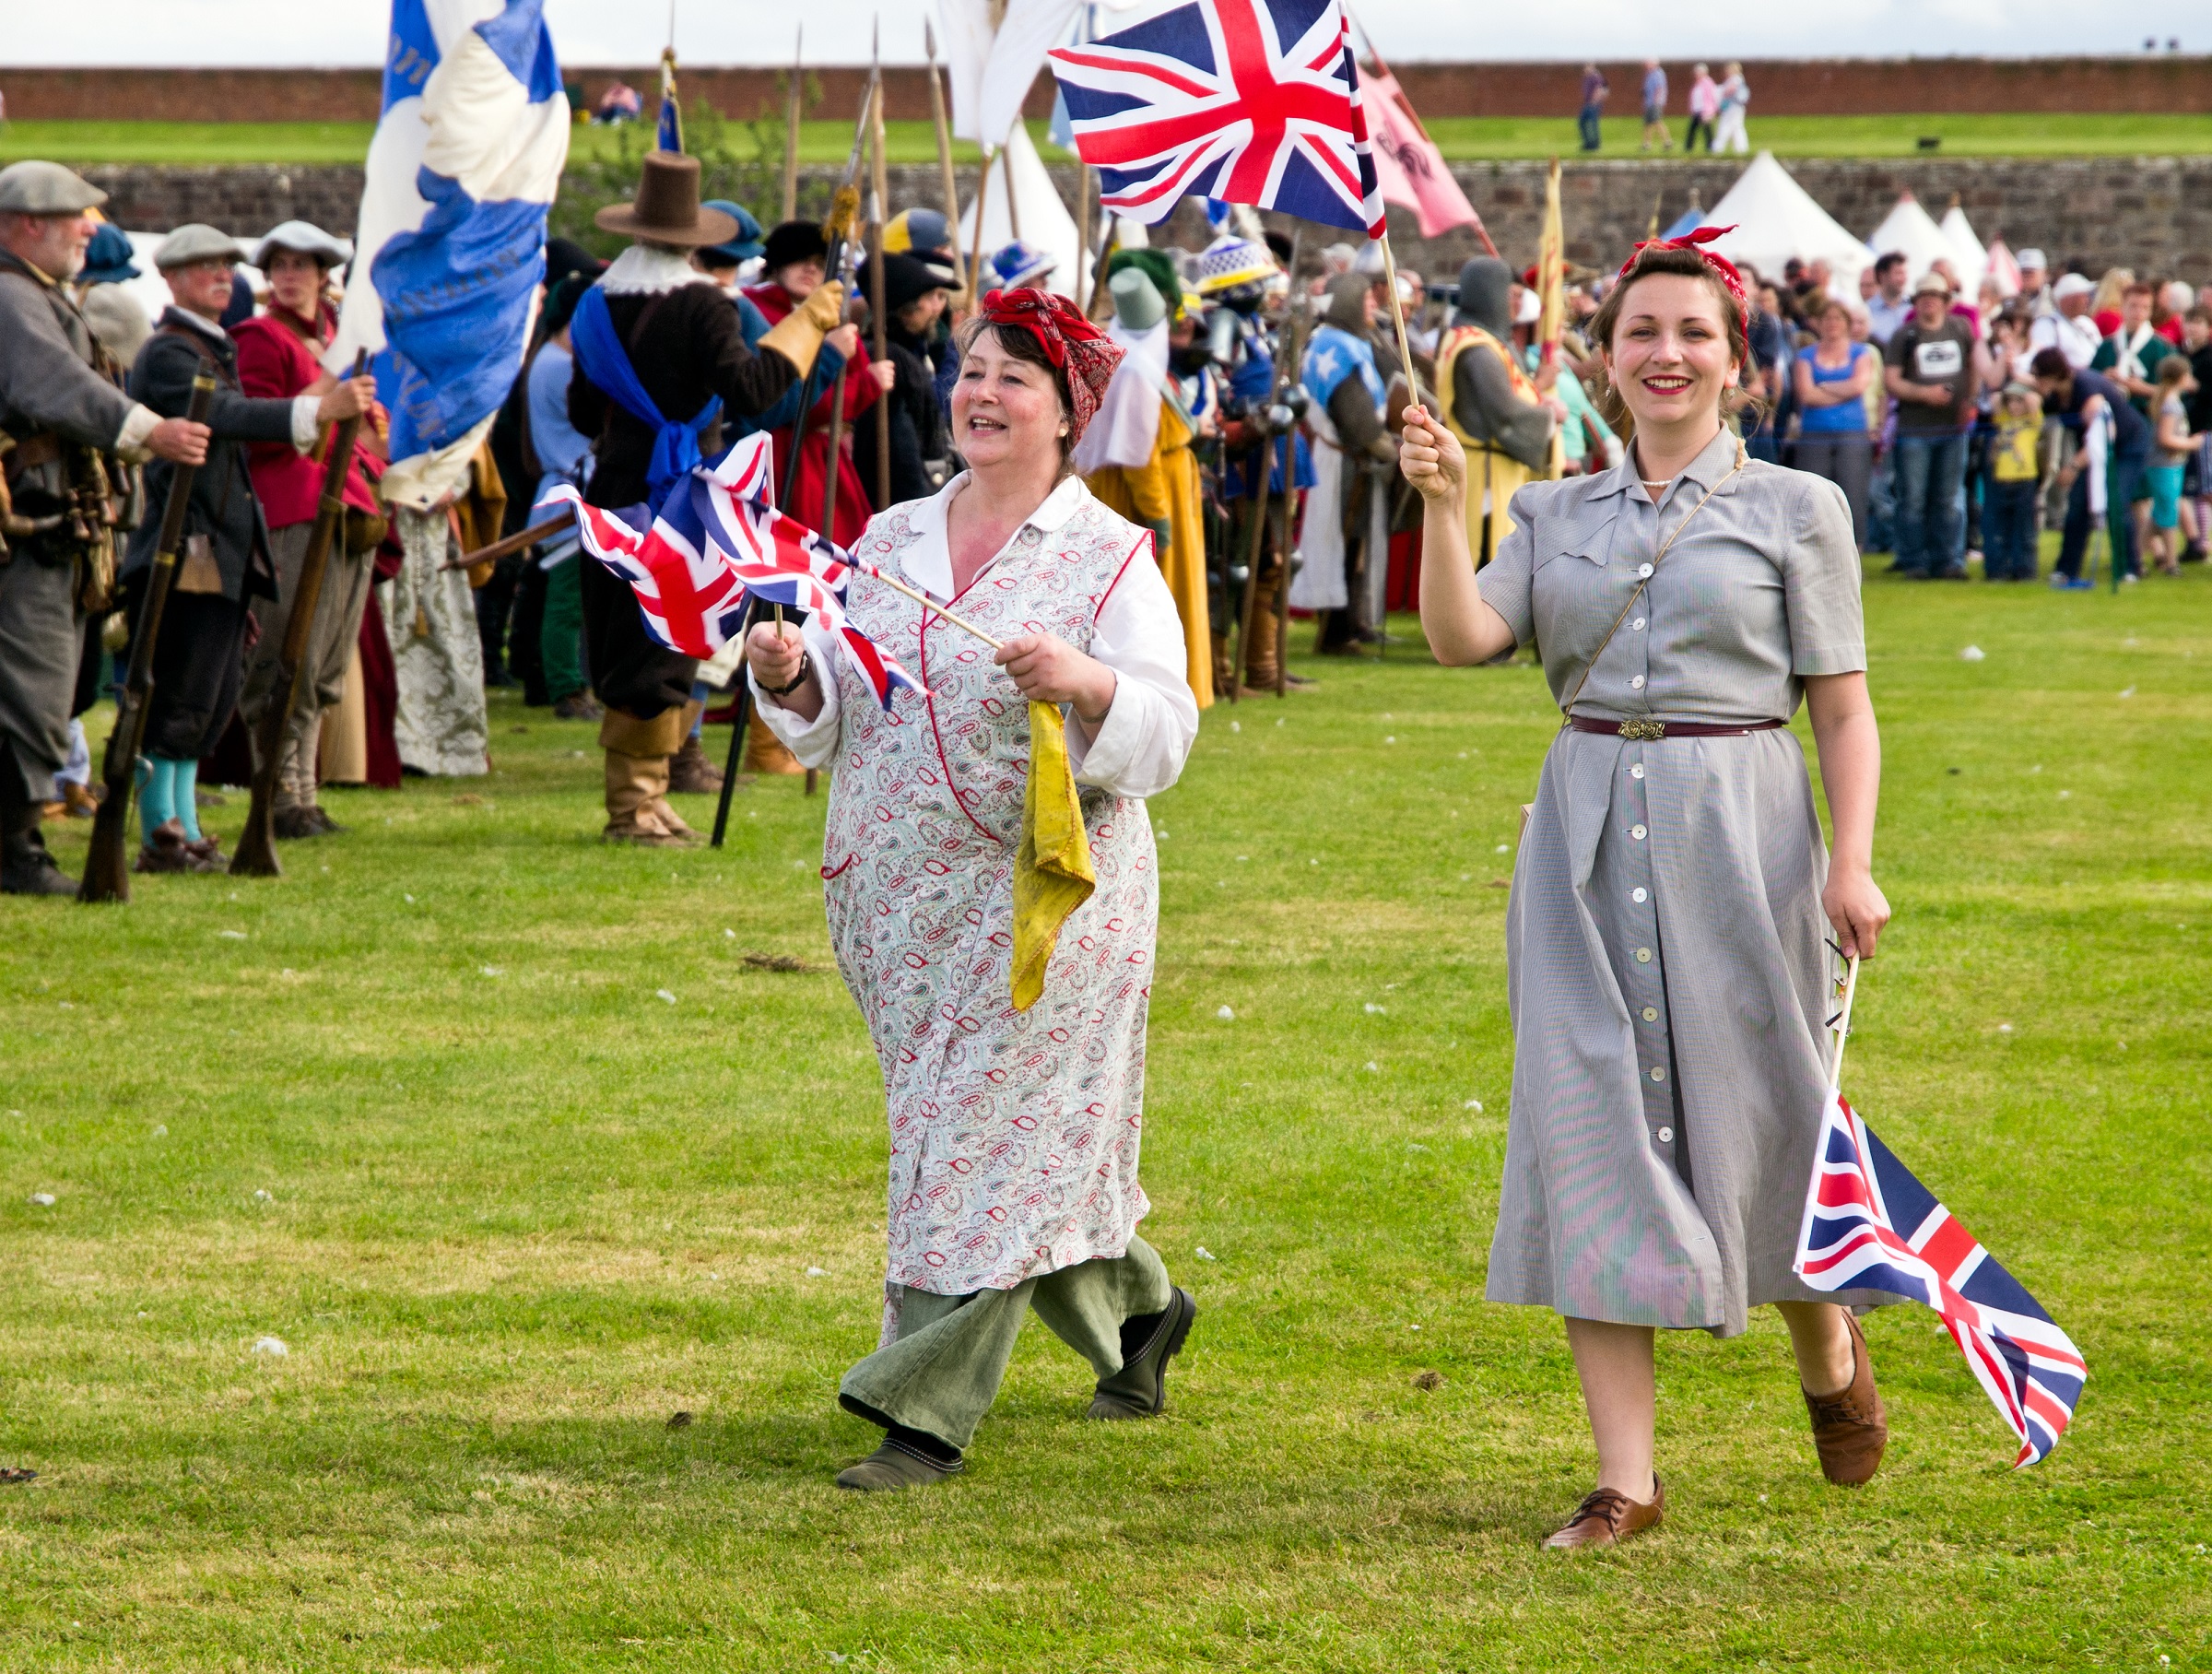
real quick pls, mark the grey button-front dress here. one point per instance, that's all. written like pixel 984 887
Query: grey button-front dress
pixel 1667 953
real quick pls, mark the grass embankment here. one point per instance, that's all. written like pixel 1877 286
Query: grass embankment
pixel 497 1129
pixel 1463 138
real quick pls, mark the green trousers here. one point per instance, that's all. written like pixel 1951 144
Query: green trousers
pixel 942 1371
pixel 563 628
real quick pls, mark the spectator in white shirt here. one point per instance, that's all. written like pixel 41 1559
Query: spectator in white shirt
pixel 2069 329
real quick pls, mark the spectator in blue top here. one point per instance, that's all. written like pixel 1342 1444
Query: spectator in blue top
pixel 1831 376
pixel 1655 107
pixel 2077 398
pixel 1594 91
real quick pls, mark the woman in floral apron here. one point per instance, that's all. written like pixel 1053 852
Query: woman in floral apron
pixel 1014 1133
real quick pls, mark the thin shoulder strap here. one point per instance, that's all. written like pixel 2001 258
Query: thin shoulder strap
pixel 1567 707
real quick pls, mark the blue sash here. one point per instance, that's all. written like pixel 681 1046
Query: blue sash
pixel 605 361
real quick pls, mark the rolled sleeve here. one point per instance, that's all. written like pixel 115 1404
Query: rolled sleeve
pixel 813 742
pixel 1503 584
pixel 137 425
pixel 1141 746
pixel 1821 585
pixel 305 430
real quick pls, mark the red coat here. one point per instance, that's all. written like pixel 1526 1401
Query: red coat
pixel 275 358
pixel 853 506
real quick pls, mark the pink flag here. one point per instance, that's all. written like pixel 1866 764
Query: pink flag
pixel 1411 169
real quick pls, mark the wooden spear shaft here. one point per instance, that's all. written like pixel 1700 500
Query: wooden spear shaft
pixel 952 194
pixel 790 128
pixel 879 308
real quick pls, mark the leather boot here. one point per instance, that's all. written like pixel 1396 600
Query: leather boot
pixel 1849 1429
pixel 1140 1388
pixel 765 753
pixel 1222 676
pixel 690 771
pixel 1259 661
pixel 26 868
pixel 166 849
pixel 637 804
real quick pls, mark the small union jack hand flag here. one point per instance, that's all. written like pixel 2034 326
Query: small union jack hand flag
pixel 712 545
pixel 1869 1225
pixel 1249 102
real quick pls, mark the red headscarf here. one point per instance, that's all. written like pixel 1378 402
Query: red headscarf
pixel 1078 349
pixel 1721 266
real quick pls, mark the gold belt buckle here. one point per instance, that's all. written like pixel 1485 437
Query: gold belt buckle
pixel 1644 731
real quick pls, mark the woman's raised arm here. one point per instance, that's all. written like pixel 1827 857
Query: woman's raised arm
pixel 1461 629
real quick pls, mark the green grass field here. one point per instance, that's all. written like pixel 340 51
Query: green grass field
pixel 497 1129
pixel 1466 138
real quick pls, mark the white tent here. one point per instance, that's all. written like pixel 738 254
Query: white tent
pixel 1973 259
pixel 1911 230
pixel 1045 223
pixel 1776 219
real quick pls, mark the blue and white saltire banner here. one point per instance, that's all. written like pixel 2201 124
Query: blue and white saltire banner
pixel 452 243
pixel 668 136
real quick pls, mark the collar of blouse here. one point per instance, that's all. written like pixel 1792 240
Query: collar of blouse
pixel 927 557
pixel 1706 471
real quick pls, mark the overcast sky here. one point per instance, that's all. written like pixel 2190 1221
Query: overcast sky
pixel 749 31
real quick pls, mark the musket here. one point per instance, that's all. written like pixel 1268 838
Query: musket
pixel 1266 469
pixel 107 872
pixel 843 207
pixel 512 543
pixel 257 852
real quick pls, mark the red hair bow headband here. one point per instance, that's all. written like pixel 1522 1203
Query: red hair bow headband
pixel 1074 347
pixel 1722 268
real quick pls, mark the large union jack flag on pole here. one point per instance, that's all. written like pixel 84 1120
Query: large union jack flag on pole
pixel 1250 102
pixel 1869 1225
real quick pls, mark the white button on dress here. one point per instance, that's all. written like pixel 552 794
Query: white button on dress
pixel 1643 956
pixel 1636 772
pixel 1636 680
pixel 1640 895
pixel 1650 1014
pixel 1637 831
pixel 1667 1135
pixel 1658 1072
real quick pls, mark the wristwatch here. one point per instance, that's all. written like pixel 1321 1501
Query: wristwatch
pixel 797 680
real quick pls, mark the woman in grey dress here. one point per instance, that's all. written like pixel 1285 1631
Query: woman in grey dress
pixel 1665 941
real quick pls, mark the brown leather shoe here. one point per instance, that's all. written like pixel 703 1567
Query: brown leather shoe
pixel 166 849
pixel 691 773
pixel 1607 1516
pixel 1849 1429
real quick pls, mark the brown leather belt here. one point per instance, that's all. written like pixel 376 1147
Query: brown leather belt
pixel 1643 729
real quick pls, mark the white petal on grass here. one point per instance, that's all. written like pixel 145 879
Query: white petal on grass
pixel 1207 1254
pixel 271 1346
pixel 1374 1067
pixel 490 971
pixel 817 1272
pixel 232 934
pixel 1505 848
pixel 663 994
pixel 1475 1105
pixel 1393 738
pixel 2129 692
pixel 1973 653
pixel 729 936
pixel 160 1130
pixel 1226 1015
pixel 1236 726
pixel 2001 1029
pixel 261 1195
pixel 1374 1011
pixel 43 1200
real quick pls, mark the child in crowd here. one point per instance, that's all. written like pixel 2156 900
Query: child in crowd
pixel 2011 485
pixel 2171 443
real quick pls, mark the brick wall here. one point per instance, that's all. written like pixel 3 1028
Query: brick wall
pixel 1780 87
pixel 2151 214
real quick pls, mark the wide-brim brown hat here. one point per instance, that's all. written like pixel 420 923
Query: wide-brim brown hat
pixel 666 208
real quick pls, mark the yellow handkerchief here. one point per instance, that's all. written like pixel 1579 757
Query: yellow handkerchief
pixel 1053 874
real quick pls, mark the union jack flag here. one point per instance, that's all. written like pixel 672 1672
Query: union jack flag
pixel 1250 102
pixel 714 544
pixel 1870 1225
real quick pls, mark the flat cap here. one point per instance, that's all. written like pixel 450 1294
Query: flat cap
pixel 197 242
pixel 37 188
pixel 307 238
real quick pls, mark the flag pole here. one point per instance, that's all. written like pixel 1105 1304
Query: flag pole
pixel 952 192
pixel 790 128
pixel 879 307
pixel 1851 989
pixel 1398 318
pixel 975 242
pixel 928 603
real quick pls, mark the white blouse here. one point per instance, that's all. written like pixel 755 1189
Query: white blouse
pixel 1146 735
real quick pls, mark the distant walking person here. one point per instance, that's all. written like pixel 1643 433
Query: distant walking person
pixel 1595 89
pixel 1704 106
pixel 1736 98
pixel 1655 107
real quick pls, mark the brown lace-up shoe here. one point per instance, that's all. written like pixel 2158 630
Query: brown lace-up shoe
pixel 1606 1517
pixel 1849 1429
